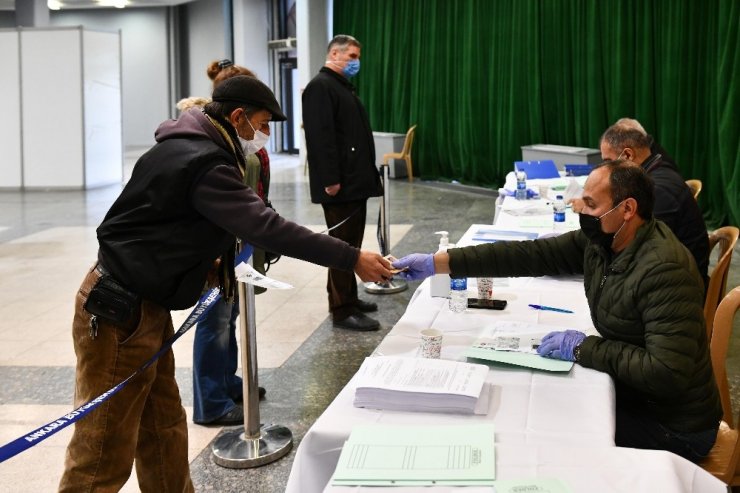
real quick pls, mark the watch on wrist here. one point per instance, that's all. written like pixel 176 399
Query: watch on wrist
pixel 577 353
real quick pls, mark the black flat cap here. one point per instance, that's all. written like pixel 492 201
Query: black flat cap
pixel 250 91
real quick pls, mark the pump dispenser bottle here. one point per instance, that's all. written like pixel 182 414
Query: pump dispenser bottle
pixel 440 283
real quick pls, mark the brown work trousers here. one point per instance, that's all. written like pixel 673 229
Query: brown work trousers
pixel 145 420
pixel 342 285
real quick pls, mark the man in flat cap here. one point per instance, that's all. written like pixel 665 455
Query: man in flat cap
pixel 184 207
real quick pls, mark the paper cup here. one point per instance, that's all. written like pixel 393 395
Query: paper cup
pixel 544 191
pixel 485 288
pixel 431 343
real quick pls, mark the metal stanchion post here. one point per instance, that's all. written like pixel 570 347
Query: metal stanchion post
pixel 253 445
pixel 392 285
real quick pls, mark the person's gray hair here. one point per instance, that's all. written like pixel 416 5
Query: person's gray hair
pixel 619 137
pixel 341 42
pixel 631 123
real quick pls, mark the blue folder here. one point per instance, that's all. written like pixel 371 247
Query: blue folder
pixel 537 169
pixel 578 169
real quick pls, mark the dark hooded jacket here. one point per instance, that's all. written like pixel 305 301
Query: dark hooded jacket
pixel 647 304
pixel 183 207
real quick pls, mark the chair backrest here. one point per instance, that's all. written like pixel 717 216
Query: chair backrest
pixel 724 458
pixel 718 347
pixel 409 141
pixel 695 186
pixel 726 238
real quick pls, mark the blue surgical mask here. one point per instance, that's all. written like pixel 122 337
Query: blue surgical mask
pixel 351 68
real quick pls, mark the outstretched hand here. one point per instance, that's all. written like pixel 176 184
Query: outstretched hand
pixel 560 345
pixel 372 267
pixel 415 266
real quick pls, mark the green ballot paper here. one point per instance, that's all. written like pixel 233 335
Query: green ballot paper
pixel 379 455
pixel 515 349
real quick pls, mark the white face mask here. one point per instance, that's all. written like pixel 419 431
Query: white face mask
pixel 258 141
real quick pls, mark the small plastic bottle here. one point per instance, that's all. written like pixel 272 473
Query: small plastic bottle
pixel 458 295
pixel 558 213
pixel 521 185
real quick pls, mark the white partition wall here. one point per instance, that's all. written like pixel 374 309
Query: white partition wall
pixel 51 102
pixel 10 123
pixel 69 125
pixel 102 103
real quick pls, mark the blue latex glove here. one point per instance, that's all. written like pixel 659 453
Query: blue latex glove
pixel 417 266
pixel 560 345
pixel 531 194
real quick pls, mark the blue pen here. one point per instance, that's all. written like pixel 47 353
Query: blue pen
pixel 550 308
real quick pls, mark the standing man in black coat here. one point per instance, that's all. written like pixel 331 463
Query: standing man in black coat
pixel 342 171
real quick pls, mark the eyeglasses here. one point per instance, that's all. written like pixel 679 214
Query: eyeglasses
pixel 618 157
pixel 262 125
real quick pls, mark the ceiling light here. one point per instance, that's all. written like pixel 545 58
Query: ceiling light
pixel 119 4
pixel 54 4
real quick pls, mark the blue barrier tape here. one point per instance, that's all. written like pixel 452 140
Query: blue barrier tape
pixel 11 449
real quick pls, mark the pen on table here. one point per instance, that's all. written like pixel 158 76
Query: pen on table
pixel 550 308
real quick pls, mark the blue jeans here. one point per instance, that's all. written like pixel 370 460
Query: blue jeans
pixel 216 386
pixel 637 431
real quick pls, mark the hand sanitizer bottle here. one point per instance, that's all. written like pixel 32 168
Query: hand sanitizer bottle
pixel 440 283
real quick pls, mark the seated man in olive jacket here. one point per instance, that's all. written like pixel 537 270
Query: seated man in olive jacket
pixel 646 300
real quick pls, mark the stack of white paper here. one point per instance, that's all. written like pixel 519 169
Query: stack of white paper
pixel 418 384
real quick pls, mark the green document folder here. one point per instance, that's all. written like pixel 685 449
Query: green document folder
pixel 378 455
pixel 527 360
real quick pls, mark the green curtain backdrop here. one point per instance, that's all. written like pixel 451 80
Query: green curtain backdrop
pixel 482 78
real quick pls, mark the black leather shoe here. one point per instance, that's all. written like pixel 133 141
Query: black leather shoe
pixel 366 306
pixel 232 418
pixel 359 322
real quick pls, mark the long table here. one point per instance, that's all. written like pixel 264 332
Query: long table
pixel 546 424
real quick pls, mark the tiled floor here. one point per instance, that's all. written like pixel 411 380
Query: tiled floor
pixel 47 241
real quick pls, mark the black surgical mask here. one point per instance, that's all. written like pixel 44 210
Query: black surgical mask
pixel 591 227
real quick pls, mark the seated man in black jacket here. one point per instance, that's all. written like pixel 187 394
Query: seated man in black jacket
pixel 674 203
pixel 646 302
pixel 184 207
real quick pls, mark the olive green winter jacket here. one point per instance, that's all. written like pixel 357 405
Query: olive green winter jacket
pixel 647 305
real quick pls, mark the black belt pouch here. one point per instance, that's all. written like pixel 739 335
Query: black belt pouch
pixel 111 301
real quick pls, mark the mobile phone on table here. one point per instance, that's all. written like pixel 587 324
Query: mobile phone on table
pixel 489 304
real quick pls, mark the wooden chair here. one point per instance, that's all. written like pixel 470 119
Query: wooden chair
pixel 722 461
pixel 695 186
pixel 405 153
pixel 726 238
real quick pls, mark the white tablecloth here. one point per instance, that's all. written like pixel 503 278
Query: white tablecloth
pixel 586 470
pixel 546 424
